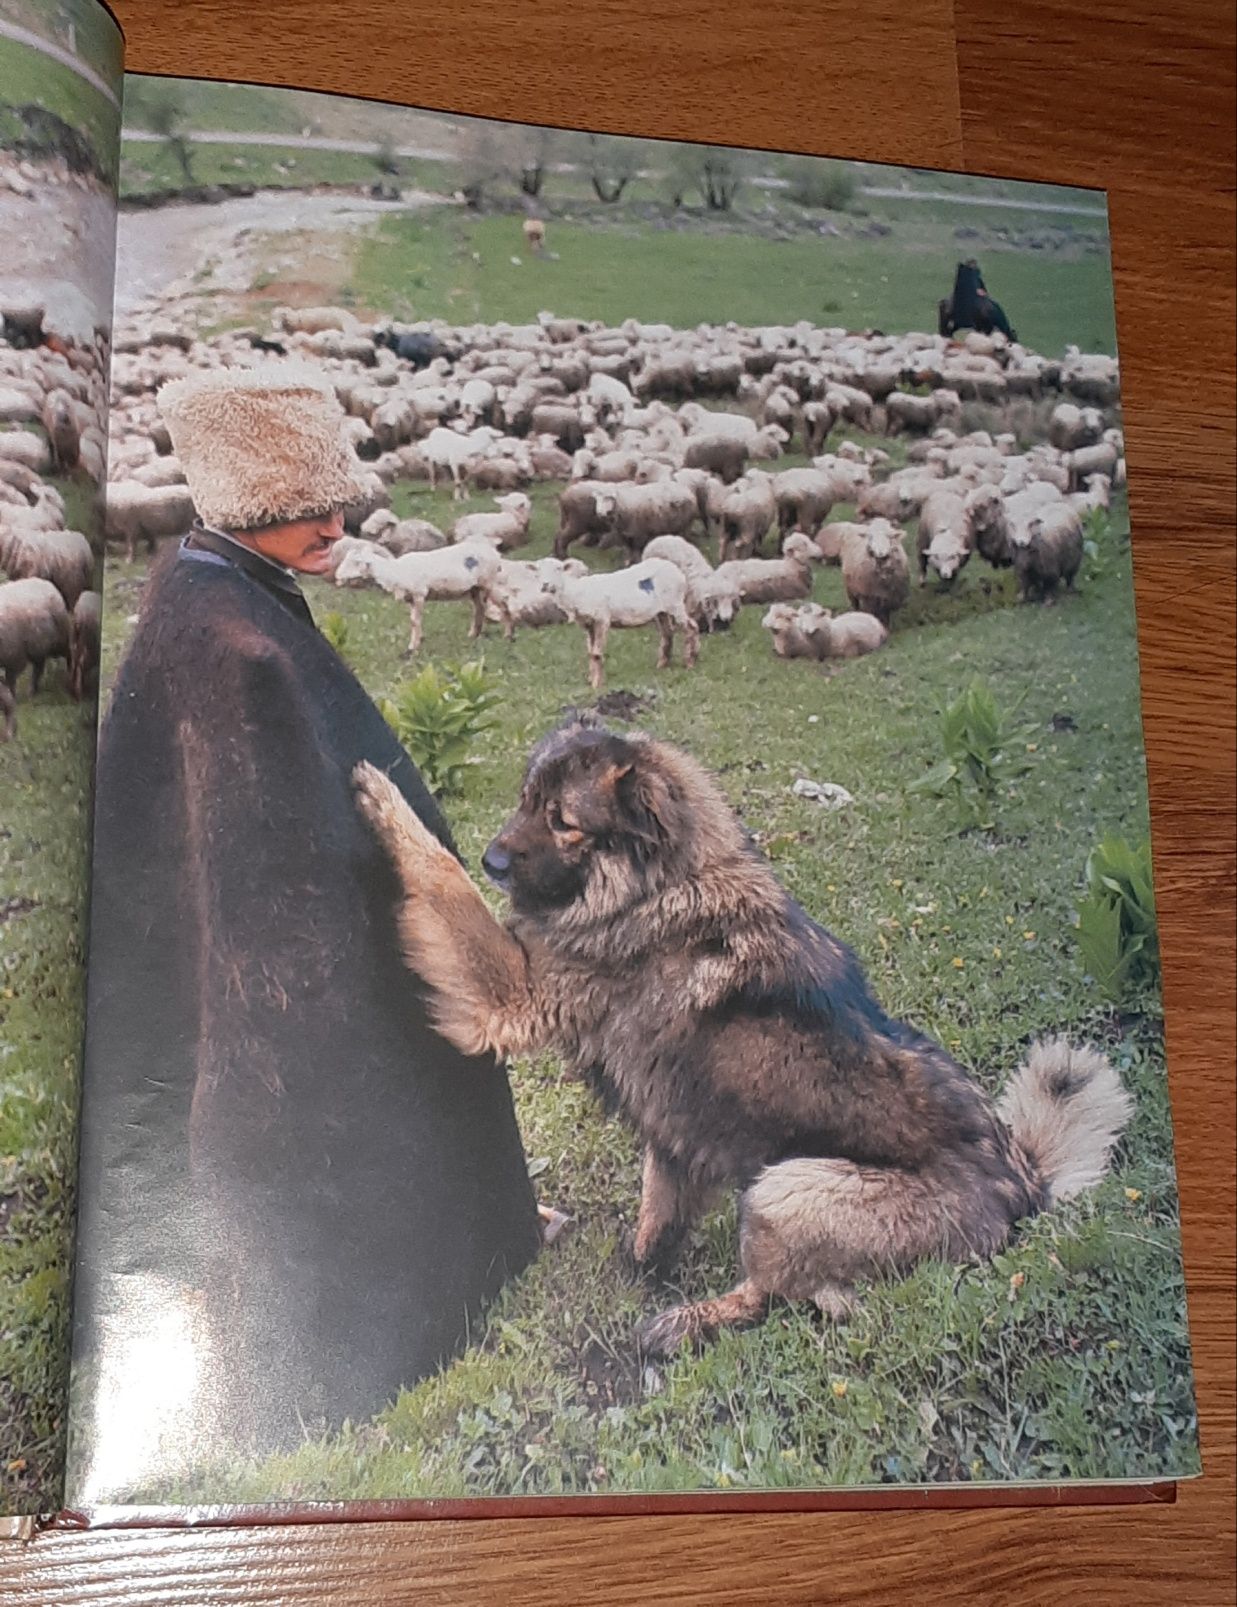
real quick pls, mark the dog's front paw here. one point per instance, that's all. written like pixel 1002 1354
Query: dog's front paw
pixel 388 812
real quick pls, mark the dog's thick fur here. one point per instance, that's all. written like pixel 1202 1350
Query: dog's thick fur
pixel 652 947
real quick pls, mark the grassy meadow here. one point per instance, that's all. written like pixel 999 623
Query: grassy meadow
pixel 1064 1357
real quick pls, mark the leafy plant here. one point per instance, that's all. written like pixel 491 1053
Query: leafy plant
pixel 1096 542
pixel 979 739
pixel 335 628
pixel 438 716
pixel 811 182
pixel 1117 933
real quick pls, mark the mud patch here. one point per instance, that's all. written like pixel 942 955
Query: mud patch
pixel 11 908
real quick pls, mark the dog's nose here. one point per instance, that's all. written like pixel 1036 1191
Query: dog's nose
pixel 496 863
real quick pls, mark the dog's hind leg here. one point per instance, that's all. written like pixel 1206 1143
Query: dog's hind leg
pixel 811 1228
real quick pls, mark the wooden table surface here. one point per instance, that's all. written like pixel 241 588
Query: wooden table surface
pixel 1137 97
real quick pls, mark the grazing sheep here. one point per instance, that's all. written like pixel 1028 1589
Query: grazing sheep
pixel 818 420
pixel 773 580
pixel 747 510
pixel 661 508
pixel 1046 550
pixel 610 398
pixel 614 468
pixel 34 626
pixel 875 571
pixel 548 459
pixel 505 529
pixel 63 434
pixel 723 455
pixel 23 446
pixel 831 538
pixel 670 376
pixel 796 631
pixel 585 513
pixel 62 556
pixel 534 235
pixel 135 512
pixel 559 420
pixel 465 570
pixel 711 600
pixel 651 592
pixel 848 635
pixel 804 498
pixel 450 451
pixel 85 637
pixel 517 595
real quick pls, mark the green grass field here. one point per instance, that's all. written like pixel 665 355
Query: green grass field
pixel 1066 1355
pixel 453 266
pixel 27 76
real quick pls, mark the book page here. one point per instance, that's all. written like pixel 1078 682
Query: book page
pixel 60 83
pixel 623 958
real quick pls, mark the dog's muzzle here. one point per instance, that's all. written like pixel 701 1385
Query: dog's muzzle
pixel 496 864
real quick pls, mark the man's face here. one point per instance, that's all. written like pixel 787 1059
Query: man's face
pixel 304 545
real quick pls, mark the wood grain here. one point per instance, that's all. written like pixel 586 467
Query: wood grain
pixel 1137 98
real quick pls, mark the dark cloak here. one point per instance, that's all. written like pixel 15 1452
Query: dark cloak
pixel 269 1121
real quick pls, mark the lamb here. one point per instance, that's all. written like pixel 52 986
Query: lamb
pixel 711 600
pixel 400 536
pixel 641 512
pixel 85 637
pixel 796 632
pixel 848 635
pixel 747 511
pixel 653 591
pixel 875 572
pixel 773 580
pixel 517 595
pixel 34 626
pixel 1046 550
pixel 534 235
pixel 585 512
pixel 1096 497
pixel 465 570
pixel 136 512
pixel 454 452
pixel 723 455
pixel 505 529
pixel 63 557
pixel 63 434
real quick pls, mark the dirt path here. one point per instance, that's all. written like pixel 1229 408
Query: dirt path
pixel 187 252
pixel 58 248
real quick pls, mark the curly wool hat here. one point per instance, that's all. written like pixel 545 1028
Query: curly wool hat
pixel 262 445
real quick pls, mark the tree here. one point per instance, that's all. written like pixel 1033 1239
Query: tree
pixel 165 116
pixel 481 162
pixel 716 172
pixel 611 163
pixel 532 155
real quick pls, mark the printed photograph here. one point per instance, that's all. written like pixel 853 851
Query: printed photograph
pixel 623 952
pixel 60 86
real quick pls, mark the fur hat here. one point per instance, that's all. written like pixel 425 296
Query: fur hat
pixel 262 445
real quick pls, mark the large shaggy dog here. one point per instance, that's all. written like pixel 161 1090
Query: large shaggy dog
pixel 652 947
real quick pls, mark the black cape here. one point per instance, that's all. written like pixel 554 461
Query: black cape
pixel 269 1123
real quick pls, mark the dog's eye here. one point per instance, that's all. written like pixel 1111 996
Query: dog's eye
pixel 558 820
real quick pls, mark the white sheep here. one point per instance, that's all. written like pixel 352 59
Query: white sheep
pixel 465 570
pixel 848 635
pixel 135 512
pixel 746 511
pixel 946 535
pixel 1047 549
pixel 1070 426
pixel 663 507
pixel 711 600
pixel 650 592
pixel 773 580
pixel 517 594
pixel 64 434
pixel 34 627
pixel 505 529
pixel 795 630
pixel 85 639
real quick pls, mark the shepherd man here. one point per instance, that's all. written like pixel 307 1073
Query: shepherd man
pixel 274 1134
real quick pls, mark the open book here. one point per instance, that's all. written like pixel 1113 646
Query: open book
pixel 621 966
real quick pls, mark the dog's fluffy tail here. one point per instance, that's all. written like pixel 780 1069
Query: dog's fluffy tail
pixel 1066 1107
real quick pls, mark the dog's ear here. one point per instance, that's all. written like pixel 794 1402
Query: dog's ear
pixel 644 798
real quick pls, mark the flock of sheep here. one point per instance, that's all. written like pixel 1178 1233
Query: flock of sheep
pixel 53 407
pixel 665 444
